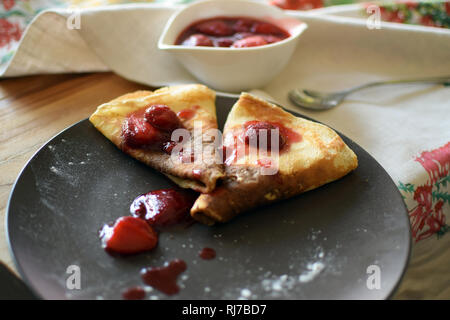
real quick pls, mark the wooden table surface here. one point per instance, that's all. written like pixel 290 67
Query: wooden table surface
pixel 33 109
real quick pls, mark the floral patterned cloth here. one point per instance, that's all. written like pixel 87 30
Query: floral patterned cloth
pixel 428 200
pixel 15 15
pixel 434 13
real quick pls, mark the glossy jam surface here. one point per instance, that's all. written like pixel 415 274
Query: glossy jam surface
pixel 128 235
pixel 134 293
pixel 161 117
pixel 138 133
pixel 286 135
pixel 186 114
pixel 166 207
pixel 164 278
pixel 238 146
pixel 235 32
pixel 254 130
pixel 207 253
pixel 150 128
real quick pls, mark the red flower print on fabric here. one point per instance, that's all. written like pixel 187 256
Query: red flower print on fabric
pixel 436 162
pixel 428 217
pixel 8 4
pixel 9 32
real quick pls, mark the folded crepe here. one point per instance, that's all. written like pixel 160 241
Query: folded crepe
pixel 310 155
pixel 194 104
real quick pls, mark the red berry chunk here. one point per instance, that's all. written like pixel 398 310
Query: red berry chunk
pixel 137 132
pixel 242 35
pixel 217 28
pixel 252 41
pixel 226 31
pixel 198 40
pixel 266 28
pixel 243 25
pixel 224 42
pixel 168 146
pixel 160 116
pixel 253 130
pixel 129 235
pixel 164 207
pixel 271 39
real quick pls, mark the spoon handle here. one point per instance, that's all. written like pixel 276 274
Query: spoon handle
pixel 439 80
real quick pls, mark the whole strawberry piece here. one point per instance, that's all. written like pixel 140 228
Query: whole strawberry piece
pixel 217 28
pixel 128 235
pixel 138 133
pixel 252 41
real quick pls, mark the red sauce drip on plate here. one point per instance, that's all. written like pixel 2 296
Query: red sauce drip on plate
pixel 207 253
pixel 237 32
pixel 164 278
pixel 165 207
pixel 135 293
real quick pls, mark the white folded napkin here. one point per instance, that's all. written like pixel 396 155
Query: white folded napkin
pixel 395 124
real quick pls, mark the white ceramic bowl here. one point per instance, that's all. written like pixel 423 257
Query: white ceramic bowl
pixel 232 69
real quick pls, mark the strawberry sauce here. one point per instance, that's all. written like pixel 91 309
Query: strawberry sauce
pixel 207 253
pixel 287 136
pixel 134 293
pixel 151 128
pixel 239 145
pixel 164 278
pixel 165 207
pixel 188 113
pixel 234 32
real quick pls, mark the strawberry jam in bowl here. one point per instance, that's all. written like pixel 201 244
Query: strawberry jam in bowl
pixel 232 45
pixel 234 32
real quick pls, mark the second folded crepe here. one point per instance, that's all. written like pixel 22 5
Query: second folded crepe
pixel 310 155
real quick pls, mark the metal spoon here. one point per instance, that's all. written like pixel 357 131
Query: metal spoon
pixel 316 100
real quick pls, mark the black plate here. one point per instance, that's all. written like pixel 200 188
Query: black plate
pixel 79 180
